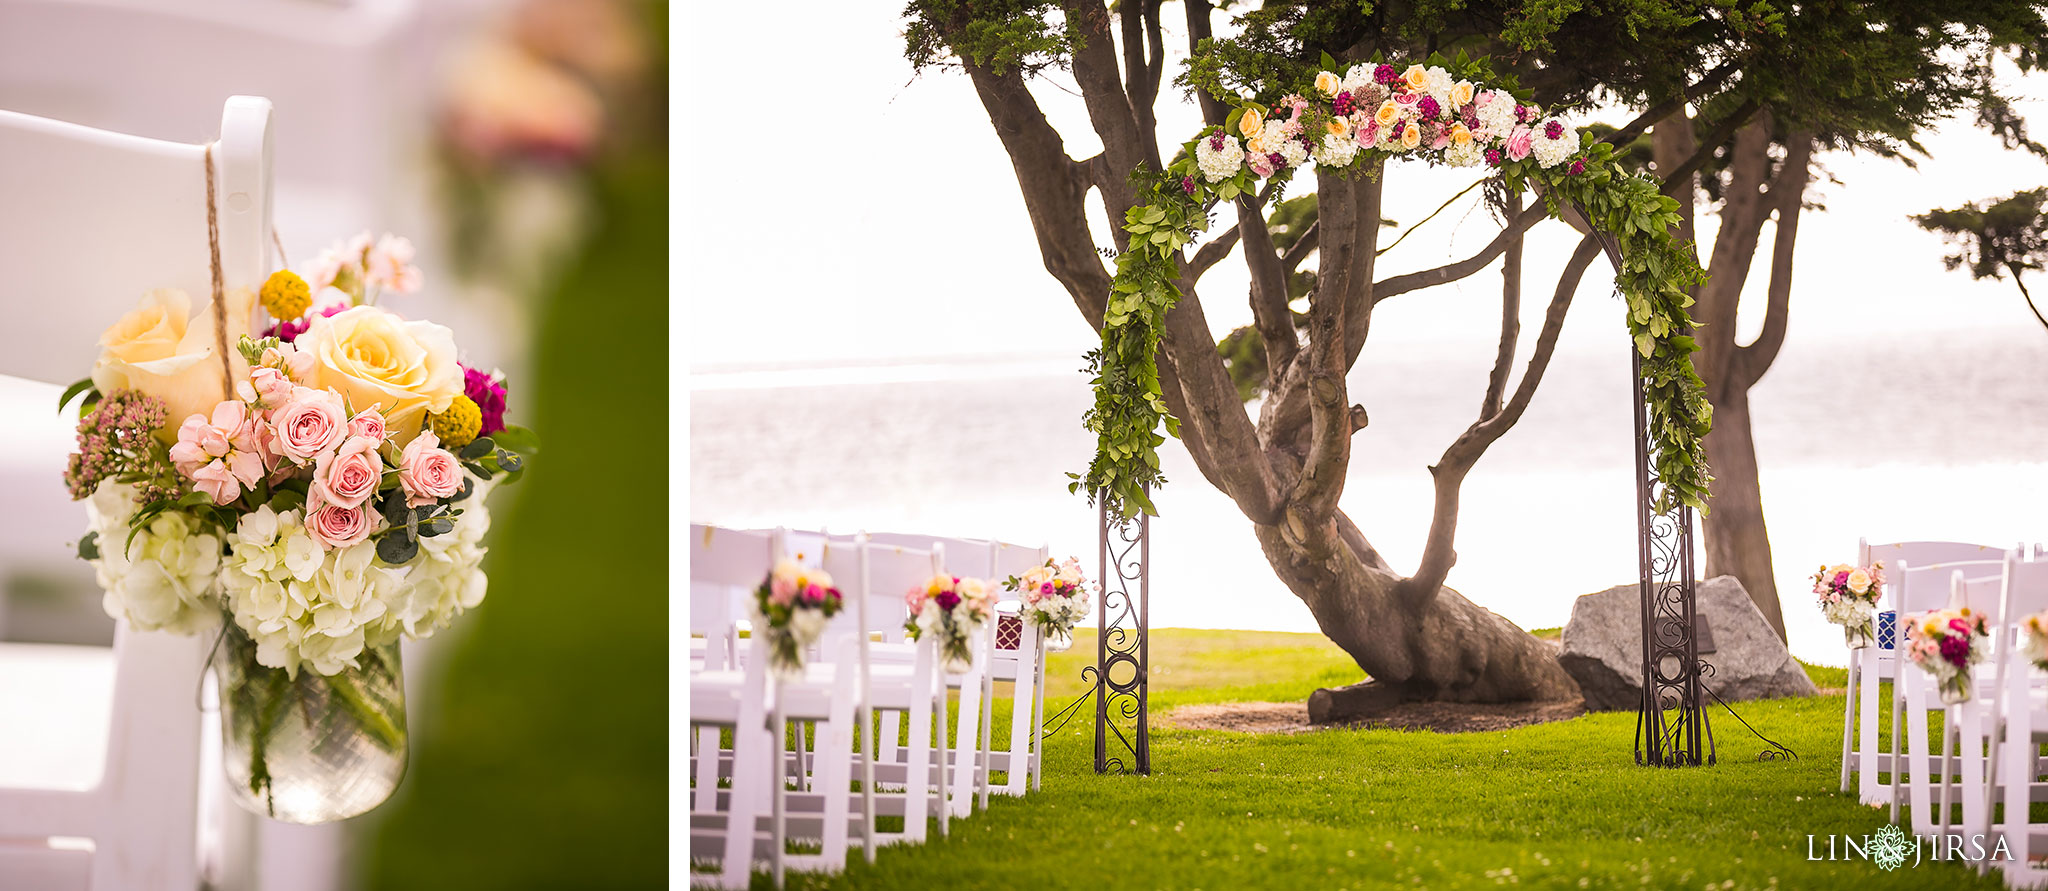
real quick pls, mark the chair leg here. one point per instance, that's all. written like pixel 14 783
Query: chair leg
pixel 987 766
pixel 867 779
pixel 1898 752
pixel 779 790
pixel 1849 720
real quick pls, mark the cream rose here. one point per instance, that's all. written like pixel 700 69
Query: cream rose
pixel 164 349
pixel 377 360
pixel 1859 581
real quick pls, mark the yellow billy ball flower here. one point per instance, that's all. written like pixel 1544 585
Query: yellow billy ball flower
pixel 458 426
pixel 286 296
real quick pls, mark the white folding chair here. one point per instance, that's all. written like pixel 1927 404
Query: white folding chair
pixel 721 562
pixel 1862 753
pixel 2020 724
pixel 91 220
pixel 1917 591
pixel 1020 661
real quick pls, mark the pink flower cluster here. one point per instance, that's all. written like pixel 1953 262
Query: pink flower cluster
pixel 1944 642
pixel 278 430
pixel 1834 584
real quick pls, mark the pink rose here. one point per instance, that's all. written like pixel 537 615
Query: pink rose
pixel 266 385
pixel 229 438
pixel 217 482
pixel 349 475
pixel 428 472
pixel 369 423
pixel 781 591
pixel 310 422
pixel 1519 143
pixel 334 526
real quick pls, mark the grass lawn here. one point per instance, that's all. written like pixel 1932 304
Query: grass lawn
pixel 1554 805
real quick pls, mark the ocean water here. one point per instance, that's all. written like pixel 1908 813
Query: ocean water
pixel 1928 435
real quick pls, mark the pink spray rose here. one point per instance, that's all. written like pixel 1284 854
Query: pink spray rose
pixel 369 423
pixel 428 472
pixel 224 448
pixel 217 482
pixel 1519 143
pixel 349 475
pixel 310 422
pixel 334 526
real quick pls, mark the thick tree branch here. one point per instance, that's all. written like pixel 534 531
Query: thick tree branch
pixel 1303 246
pixel 1743 213
pixel 1214 111
pixel 1788 195
pixel 1142 71
pixel 1443 275
pixel 1054 186
pixel 1270 314
pixel 1510 317
pixel 1676 181
pixel 1439 552
pixel 1349 214
pixel 1215 415
pixel 1124 145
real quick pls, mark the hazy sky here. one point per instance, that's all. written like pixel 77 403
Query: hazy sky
pixel 887 226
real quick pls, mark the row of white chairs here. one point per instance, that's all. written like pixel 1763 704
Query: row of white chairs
pixel 792 761
pixel 1989 748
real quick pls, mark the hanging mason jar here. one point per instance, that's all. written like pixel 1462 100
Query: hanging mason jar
pixel 309 748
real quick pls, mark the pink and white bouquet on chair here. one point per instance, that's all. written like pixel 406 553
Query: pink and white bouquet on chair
pixel 952 609
pixel 2034 639
pixel 1848 597
pixel 1055 599
pixel 314 493
pixel 1945 643
pixel 790 610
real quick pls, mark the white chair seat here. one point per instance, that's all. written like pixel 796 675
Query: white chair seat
pixel 715 696
pixel 66 693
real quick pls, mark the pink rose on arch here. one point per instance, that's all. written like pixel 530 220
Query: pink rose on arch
pixel 427 472
pixel 310 422
pixel 334 526
pixel 1520 142
pixel 369 422
pixel 349 475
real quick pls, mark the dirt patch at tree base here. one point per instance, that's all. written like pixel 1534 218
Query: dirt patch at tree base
pixel 1440 717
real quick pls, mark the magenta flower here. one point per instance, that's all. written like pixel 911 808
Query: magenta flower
pixel 1956 649
pixel 1429 107
pixel 1385 74
pixel 1216 141
pixel 1553 130
pixel 489 396
pixel 1187 184
pixel 1493 157
pixel 948 599
pixel 1276 159
pixel 1343 104
pixel 1521 113
pixel 290 329
pixel 1578 167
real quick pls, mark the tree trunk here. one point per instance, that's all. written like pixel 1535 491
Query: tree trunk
pixel 1737 542
pixel 1441 647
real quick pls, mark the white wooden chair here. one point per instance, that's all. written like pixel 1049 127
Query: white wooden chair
pixel 1862 754
pixel 734 698
pixel 2020 723
pixel 1920 590
pixel 1020 662
pixel 90 221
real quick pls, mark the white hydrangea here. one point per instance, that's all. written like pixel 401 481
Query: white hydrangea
pixel 1277 139
pixel 162 579
pixel 1218 164
pixel 446 578
pixel 302 606
pixel 1336 151
pixel 1440 83
pixel 1359 75
pixel 1497 116
pixel 1552 152
pixel 1468 154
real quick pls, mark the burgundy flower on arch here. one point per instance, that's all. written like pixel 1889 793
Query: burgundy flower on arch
pixel 1578 167
pixel 1385 74
pixel 1553 130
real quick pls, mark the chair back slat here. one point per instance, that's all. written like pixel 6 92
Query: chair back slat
pixel 892 571
pixel 1919 589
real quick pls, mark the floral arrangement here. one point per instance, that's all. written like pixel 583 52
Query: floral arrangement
pixel 320 486
pixel 1055 597
pixel 791 607
pixel 2034 639
pixel 1453 112
pixel 1945 643
pixel 1848 596
pixel 953 609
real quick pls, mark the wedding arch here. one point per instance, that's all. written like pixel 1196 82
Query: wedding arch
pixel 1450 112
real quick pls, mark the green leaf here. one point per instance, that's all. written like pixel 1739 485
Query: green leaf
pixel 396 548
pixel 72 392
pixel 510 463
pixel 89 546
pixel 480 447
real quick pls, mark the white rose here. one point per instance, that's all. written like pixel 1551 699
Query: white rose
pixel 404 369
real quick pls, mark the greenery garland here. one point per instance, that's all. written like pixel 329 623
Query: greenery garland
pixel 1352 123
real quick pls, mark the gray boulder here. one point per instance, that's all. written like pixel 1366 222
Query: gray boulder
pixel 1603 647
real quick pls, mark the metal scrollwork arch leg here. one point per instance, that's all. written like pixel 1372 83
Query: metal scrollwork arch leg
pixel 1121 651
pixel 1671 725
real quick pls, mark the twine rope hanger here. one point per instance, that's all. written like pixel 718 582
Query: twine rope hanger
pixel 220 309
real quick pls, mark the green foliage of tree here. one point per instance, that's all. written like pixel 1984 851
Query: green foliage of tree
pixel 2009 235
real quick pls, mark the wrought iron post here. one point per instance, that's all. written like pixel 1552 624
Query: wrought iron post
pixel 1121 659
pixel 1671 725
